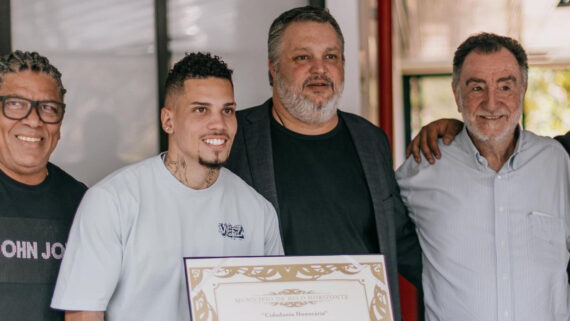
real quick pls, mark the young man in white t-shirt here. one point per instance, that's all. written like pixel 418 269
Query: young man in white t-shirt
pixel 124 257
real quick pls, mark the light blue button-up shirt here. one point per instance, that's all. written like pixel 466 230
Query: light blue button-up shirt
pixel 495 244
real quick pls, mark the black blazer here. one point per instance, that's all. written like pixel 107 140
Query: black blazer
pixel 251 158
pixel 565 141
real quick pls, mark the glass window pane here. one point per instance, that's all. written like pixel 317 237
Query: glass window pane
pixel 235 30
pixel 105 51
pixel 547 101
pixel 432 30
pixel 431 99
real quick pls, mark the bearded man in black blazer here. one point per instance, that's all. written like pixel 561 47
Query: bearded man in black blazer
pixel 328 173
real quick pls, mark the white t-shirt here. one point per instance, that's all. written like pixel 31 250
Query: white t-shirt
pixel 132 230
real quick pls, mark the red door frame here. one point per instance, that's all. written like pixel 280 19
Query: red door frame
pixel 408 293
pixel 385 67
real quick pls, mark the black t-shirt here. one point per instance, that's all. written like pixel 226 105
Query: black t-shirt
pixel 34 223
pixel 324 201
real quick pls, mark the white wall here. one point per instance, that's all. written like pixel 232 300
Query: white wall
pixel 346 14
pixel 235 30
pixel 105 51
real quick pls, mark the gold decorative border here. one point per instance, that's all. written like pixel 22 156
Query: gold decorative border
pixel 288 272
pixel 379 306
pixel 204 310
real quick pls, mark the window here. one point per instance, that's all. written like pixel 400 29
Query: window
pixel 546 108
pixel 106 51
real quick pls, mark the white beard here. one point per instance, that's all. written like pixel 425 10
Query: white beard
pixel 302 108
pixel 508 130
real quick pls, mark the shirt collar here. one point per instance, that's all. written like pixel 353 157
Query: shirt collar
pixel 466 145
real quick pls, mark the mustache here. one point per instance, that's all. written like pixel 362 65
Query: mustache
pixel 324 78
pixel 221 133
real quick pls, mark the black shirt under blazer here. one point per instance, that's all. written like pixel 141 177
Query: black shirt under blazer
pixel 251 158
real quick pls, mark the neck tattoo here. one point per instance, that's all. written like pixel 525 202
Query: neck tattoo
pixel 178 168
pixel 210 177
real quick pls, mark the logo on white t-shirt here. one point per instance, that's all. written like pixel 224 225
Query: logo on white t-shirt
pixel 228 230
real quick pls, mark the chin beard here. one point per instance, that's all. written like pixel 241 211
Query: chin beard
pixel 509 130
pixel 302 108
pixel 216 164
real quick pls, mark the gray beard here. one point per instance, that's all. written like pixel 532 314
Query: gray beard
pixel 473 130
pixel 302 108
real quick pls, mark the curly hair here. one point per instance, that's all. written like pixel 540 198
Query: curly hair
pixel 19 61
pixel 489 43
pixel 197 65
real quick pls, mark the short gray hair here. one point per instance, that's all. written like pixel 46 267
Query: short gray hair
pixel 489 43
pixel 19 61
pixel 300 14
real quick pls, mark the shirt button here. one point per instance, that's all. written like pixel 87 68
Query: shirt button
pixel 505 277
pixel 501 209
pixel 503 244
pixel 499 176
pixel 506 313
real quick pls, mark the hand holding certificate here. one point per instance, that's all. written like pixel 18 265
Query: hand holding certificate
pixel 320 288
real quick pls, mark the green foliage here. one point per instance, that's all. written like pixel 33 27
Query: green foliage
pixel 547 102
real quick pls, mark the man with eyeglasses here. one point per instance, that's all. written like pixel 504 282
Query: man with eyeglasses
pixel 37 199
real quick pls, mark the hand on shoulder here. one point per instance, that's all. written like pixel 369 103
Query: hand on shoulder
pixel 426 140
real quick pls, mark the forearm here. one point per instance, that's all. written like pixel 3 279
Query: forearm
pixel 84 316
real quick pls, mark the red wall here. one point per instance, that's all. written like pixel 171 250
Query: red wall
pixel 408 293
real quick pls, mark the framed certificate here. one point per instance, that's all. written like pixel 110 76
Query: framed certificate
pixel 319 288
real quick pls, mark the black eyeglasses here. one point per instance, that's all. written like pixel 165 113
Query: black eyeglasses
pixel 17 108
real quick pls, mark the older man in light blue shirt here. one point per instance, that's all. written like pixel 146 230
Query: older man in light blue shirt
pixel 493 214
